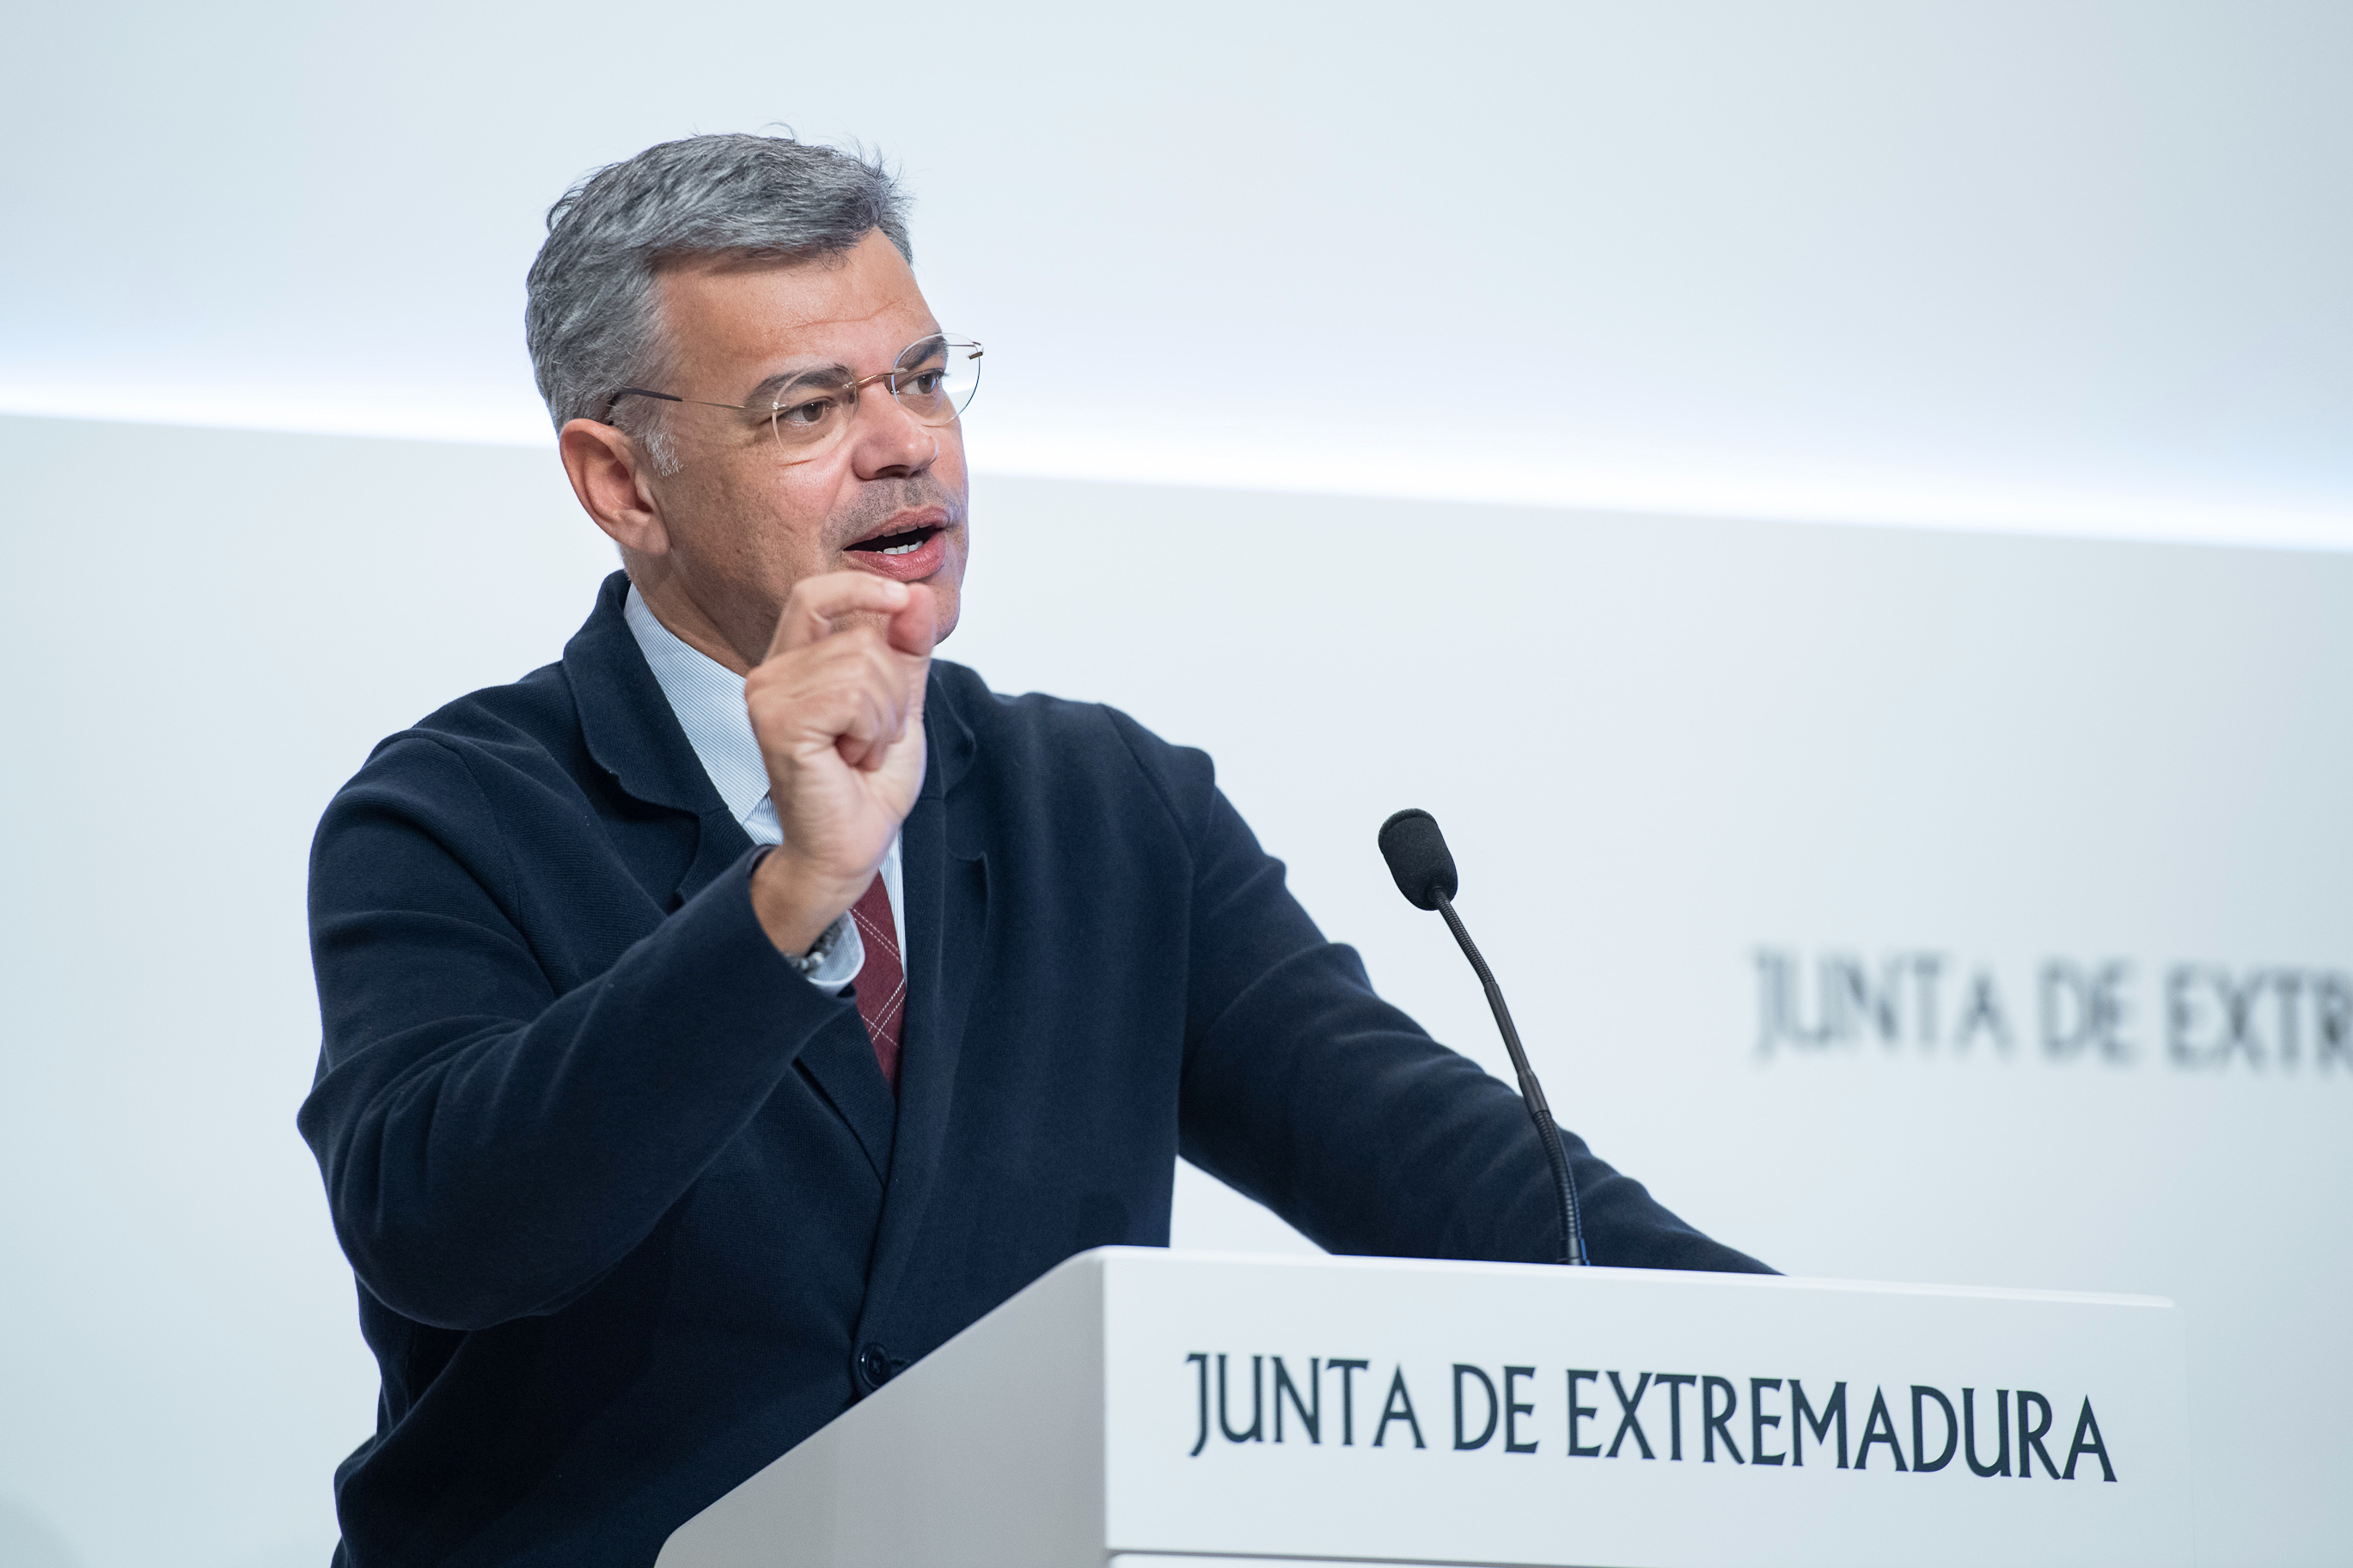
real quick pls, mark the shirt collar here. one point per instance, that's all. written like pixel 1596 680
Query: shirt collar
pixel 708 699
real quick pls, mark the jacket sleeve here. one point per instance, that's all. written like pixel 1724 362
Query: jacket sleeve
pixel 491 1147
pixel 1306 1092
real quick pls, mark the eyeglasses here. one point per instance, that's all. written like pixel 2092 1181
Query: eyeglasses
pixel 933 379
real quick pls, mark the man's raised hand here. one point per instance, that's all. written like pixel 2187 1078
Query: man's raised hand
pixel 838 708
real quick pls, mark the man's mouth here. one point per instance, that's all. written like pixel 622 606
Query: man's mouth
pixel 906 542
pixel 911 552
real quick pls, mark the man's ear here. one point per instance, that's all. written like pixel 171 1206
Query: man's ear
pixel 608 473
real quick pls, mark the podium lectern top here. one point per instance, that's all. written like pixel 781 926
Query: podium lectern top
pixel 1148 1408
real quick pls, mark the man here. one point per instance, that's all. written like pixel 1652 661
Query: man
pixel 719 1019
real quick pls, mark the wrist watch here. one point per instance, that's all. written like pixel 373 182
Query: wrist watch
pixel 808 963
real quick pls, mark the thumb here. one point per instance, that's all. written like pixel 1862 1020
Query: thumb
pixel 912 626
pixel 911 633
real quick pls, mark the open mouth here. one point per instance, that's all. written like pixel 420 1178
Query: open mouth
pixel 904 543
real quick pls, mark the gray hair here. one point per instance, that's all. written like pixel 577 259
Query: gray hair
pixel 591 318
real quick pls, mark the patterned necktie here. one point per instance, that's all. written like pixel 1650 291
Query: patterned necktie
pixel 882 983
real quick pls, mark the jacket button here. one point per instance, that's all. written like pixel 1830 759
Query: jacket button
pixel 873 1365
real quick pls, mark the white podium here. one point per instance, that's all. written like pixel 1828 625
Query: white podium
pixel 1151 1409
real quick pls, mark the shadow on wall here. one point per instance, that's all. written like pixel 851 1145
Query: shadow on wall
pixel 26 1542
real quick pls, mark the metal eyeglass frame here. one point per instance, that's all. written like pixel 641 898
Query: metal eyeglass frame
pixel 855 386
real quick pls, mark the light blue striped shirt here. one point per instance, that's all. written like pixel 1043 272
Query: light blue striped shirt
pixel 708 699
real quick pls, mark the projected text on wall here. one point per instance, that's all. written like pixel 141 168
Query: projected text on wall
pixel 2191 1014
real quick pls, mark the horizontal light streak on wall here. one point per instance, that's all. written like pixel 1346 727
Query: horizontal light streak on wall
pixel 1693 484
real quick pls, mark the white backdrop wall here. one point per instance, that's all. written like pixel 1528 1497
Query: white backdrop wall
pixel 1677 759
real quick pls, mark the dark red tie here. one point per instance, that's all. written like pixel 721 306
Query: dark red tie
pixel 882 983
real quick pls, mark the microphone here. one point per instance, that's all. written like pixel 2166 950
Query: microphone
pixel 1424 868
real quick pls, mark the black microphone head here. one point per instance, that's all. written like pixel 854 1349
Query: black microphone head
pixel 1418 858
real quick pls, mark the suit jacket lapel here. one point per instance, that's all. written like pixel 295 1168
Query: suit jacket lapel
pixel 946 889
pixel 625 721
pixel 720 844
pixel 840 1062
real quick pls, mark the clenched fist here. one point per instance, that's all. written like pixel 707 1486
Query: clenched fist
pixel 838 708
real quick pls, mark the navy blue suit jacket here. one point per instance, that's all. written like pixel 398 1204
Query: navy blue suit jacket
pixel 631 1207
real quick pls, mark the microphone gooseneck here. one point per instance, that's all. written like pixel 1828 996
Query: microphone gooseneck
pixel 1424 868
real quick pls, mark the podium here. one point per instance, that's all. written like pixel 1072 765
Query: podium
pixel 1141 1408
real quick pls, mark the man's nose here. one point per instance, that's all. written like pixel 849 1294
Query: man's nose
pixel 890 442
